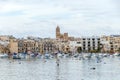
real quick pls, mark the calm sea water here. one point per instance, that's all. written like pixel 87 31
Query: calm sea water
pixel 69 69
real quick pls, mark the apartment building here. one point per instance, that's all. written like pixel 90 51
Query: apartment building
pixel 111 43
pixel 90 44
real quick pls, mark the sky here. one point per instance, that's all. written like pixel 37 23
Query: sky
pixel 39 18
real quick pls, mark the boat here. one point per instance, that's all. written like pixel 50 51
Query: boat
pixel 16 56
pixel 3 56
pixel 116 54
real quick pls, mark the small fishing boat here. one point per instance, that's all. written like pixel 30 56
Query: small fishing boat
pixel 3 56
pixel 16 56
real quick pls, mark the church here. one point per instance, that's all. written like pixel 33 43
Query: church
pixel 61 36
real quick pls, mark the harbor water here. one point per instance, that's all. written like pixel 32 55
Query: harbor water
pixel 68 69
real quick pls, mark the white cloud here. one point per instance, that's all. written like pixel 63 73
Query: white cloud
pixel 9 7
pixel 78 17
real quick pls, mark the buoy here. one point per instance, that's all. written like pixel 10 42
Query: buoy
pixel 57 64
pixel 93 68
pixel 104 62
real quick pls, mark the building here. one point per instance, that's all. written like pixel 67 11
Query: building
pixel 58 34
pixel 90 44
pixel 27 45
pixel 31 46
pixel 65 36
pixel 111 43
pixel 74 45
pixel 62 46
pixel 61 36
pixel 13 46
pixel 48 46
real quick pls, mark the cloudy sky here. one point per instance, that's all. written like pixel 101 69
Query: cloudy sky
pixel 77 17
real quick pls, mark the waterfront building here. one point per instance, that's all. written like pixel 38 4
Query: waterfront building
pixel 62 46
pixel 74 45
pixel 111 43
pixel 4 43
pixel 48 46
pixel 4 49
pixel 90 44
pixel 26 45
pixel 13 46
pixel 62 43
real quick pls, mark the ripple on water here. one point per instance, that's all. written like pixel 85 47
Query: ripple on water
pixel 69 69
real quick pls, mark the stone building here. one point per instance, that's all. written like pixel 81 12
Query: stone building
pixel 111 43
pixel 48 46
pixel 26 45
pixel 13 46
pixel 62 46
pixel 74 45
pixel 61 36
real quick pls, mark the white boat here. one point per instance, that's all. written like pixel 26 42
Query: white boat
pixel 3 55
pixel 116 54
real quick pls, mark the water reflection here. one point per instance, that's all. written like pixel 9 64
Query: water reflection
pixel 57 73
pixel 69 69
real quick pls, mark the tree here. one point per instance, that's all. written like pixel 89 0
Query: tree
pixel 118 50
pixel 79 49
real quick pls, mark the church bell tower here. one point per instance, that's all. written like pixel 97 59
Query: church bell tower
pixel 57 32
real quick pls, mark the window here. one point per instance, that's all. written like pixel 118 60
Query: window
pixel 78 42
pixel 83 38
